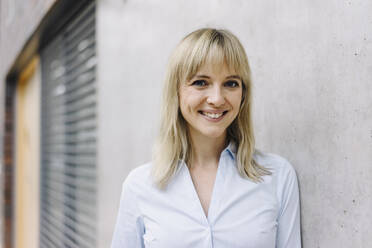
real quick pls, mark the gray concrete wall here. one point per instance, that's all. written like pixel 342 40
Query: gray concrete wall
pixel 18 21
pixel 312 73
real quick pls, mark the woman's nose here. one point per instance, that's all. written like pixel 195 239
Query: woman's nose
pixel 216 97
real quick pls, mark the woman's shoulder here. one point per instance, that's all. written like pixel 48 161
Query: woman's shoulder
pixel 283 175
pixel 139 176
pixel 275 163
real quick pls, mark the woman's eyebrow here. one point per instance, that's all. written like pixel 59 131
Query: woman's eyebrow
pixel 228 77
pixel 202 76
pixel 233 77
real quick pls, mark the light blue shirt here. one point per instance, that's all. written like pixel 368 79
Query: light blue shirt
pixel 242 214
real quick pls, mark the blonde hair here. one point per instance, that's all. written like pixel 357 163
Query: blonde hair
pixel 199 47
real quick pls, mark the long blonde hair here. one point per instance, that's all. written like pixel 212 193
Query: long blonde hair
pixel 199 47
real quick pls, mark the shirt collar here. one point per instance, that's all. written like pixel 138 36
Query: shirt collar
pixel 231 149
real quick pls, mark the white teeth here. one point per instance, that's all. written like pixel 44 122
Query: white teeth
pixel 212 115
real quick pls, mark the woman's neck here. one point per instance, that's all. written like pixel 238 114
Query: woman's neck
pixel 206 151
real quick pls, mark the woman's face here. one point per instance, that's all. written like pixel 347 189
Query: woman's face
pixel 210 101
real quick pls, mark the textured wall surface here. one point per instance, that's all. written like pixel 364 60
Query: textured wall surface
pixel 18 20
pixel 312 98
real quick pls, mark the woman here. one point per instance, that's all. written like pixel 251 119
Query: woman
pixel 207 186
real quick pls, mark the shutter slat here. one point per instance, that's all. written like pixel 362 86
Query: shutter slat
pixel 76 22
pixel 71 150
pixel 60 204
pixel 79 45
pixel 81 66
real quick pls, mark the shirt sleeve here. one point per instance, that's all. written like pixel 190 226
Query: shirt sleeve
pixel 129 226
pixel 289 227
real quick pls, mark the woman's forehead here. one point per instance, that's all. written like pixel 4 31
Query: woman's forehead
pixel 214 59
pixel 216 68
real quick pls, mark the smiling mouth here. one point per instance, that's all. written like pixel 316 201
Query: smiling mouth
pixel 213 115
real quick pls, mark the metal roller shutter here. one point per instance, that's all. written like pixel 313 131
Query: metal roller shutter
pixel 68 136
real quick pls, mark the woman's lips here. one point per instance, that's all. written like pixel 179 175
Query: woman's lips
pixel 213 116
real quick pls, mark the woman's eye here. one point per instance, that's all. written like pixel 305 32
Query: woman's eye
pixel 199 83
pixel 232 84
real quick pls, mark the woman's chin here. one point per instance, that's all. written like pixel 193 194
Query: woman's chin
pixel 214 134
